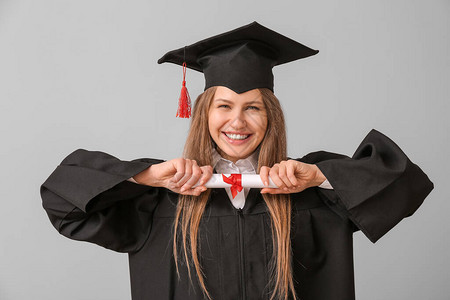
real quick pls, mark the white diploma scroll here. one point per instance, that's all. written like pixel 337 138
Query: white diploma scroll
pixel 247 181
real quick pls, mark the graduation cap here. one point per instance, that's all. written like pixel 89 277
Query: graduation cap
pixel 241 59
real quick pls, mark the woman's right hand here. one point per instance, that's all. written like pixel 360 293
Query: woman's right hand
pixel 178 175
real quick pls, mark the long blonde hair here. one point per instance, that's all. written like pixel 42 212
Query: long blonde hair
pixel 190 209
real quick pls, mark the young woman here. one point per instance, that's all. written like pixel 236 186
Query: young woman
pixel 190 242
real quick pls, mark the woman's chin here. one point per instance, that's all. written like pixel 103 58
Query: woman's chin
pixel 234 153
pixel 236 149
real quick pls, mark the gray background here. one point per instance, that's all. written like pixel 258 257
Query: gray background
pixel 83 74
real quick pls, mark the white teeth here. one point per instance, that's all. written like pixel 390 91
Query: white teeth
pixel 237 136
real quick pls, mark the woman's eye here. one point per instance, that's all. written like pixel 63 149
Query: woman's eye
pixel 224 105
pixel 253 107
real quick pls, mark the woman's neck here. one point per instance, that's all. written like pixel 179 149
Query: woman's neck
pixel 231 158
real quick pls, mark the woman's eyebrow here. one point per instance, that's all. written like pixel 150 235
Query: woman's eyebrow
pixel 254 102
pixel 224 100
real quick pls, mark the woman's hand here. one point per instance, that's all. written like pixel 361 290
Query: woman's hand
pixel 177 175
pixel 291 176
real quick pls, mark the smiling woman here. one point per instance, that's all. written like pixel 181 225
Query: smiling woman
pixel 290 242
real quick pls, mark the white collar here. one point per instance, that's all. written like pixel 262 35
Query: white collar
pixel 245 165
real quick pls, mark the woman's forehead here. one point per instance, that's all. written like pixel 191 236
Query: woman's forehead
pixel 226 94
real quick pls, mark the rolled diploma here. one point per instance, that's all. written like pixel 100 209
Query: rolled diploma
pixel 247 180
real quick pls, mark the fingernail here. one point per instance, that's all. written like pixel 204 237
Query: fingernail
pixel 266 183
pixel 286 189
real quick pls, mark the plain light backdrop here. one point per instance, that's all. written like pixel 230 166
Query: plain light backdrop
pixel 83 74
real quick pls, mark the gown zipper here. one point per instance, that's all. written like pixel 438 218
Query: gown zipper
pixel 240 216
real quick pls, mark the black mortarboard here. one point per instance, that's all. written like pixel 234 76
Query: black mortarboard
pixel 241 59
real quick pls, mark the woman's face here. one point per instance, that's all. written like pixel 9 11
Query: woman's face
pixel 237 122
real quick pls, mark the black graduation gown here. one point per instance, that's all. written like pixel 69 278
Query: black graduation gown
pixel 88 198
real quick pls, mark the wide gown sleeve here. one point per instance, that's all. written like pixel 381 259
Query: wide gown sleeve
pixel 376 188
pixel 88 198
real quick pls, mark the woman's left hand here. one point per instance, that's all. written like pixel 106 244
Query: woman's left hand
pixel 291 176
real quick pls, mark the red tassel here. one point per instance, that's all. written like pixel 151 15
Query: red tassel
pixel 184 103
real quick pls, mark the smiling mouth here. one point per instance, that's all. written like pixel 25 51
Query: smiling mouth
pixel 235 136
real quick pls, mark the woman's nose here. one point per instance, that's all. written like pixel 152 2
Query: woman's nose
pixel 238 120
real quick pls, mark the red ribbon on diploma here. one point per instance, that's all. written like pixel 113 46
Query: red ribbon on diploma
pixel 235 181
